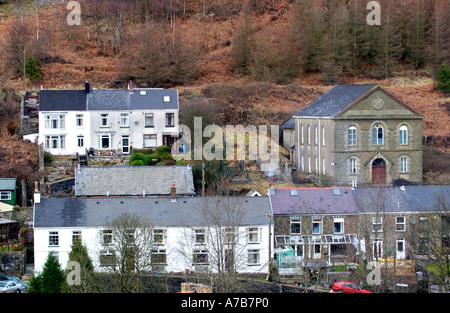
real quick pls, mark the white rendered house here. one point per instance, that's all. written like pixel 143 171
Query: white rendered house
pixel 182 237
pixel 107 120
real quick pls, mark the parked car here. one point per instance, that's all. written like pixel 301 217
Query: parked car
pixel 23 286
pixel 8 286
pixel 348 287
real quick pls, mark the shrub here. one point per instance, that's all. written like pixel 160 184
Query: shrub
pixel 138 163
pixel 138 157
pixel 443 78
pixel 48 157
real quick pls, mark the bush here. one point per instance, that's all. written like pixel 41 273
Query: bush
pixel 138 157
pixel 443 78
pixel 138 163
pixel 48 157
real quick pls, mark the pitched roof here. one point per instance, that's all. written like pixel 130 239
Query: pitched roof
pixel 62 100
pixel 133 180
pixel 289 124
pixel 186 211
pixel 312 201
pixel 7 184
pixel 404 199
pixel 335 100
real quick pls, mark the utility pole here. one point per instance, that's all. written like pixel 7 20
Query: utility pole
pixel 24 77
pixel 203 179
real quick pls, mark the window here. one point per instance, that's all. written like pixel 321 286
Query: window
pixel 309 164
pixel 403 165
pixel 55 142
pixel 377 224
pixel 423 246
pixel 294 192
pixel 230 235
pixel 149 120
pixel 338 225
pixel 76 236
pixel 316 135
pixel 159 256
pixel 352 136
pixel 423 222
pixel 296 226
pixel 309 135
pixel 107 236
pixel 104 120
pixel 352 166
pixel 55 121
pixel 80 141
pixel 169 119
pixel 316 161
pixel 303 163
pixel 323 136
pixel 79 120
pixel 5 195
pixel 199 235
pixel 253 257
pixel 158 236
pixel 104 141
pixel 302 130
pixel 400 223
pixel 317 226
pixel 166 98
pixel 107 258
pixel 377 135
pixel 377 249
pixel 253 235
pixel 403 135
pixel 53 239
pixel 200 257
pixel 149 141
pixel 124 120
pixel 323 166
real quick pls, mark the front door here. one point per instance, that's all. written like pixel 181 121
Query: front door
pixel 379 172
pixel 125 145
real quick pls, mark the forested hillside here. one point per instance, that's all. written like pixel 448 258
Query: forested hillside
pixel 251 61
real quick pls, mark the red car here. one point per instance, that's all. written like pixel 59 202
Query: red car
pixel 348 287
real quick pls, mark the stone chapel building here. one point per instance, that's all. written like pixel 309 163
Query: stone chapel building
pixel 358 135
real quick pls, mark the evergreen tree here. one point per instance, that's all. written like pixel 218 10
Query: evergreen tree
pixel 51 279
pixel 242 47
pixel 443 78
pixel 32 71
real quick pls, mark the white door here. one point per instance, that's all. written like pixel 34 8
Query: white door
pixel 401 249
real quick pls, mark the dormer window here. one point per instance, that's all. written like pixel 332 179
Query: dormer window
pixel 166 98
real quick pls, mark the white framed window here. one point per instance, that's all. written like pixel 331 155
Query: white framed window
pixel 377 249
pixel 352 166
pixel 199 236
pixel 53 239
pixel 352 135
pixel 323 136
pixel 80 141
pixel 403 131
pixel 79 120
pixel 107 236
pixel 159 236
pixel 55 142
pixel 309 164
pixel 253 257
pixel 104 120
pixel 149 120
pixel 377 224
pixel 200 257
pixel 124 120
pixel 5 195
pixel 377 134
pixel 317 226
pixel 159 256
pixel 309 134
pixel 400 224
pixel 230 235
pixel 302 158
pixel 104 141
pixel 338 225
pixel 170 119
pixel 76 235
pixel 55 121
pixel 166 98
pixel 302 134
pixel 296 226
pixel 316 135
pixel 149 141
pixel 323 166
pixel 253 235
pixel 107 258
pixel 403 165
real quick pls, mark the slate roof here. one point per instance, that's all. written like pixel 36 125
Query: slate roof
pixel 289 124
pixel 62 100
pixel 8 184
pixel 186 211
pixel 108 99
pixel 335 100
pixel 312 201
pixel 133 180
pixel 396 199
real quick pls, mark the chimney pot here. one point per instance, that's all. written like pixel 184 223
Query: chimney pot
pixel 130 87
pixel 173 193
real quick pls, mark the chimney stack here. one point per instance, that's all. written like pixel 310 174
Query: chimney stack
pixel 130 87
pixel 87 87
pixel 37 194
pixel 173 193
